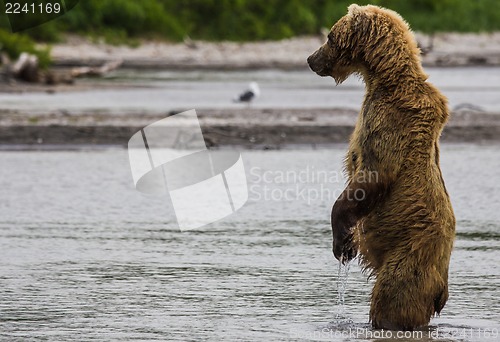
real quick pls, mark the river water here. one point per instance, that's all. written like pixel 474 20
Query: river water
pixel 84 256
pixel 159 91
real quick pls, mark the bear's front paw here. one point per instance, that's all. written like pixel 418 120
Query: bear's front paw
pixel 342 224
pixel 344 249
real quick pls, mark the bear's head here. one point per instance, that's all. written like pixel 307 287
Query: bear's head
pixel 367 40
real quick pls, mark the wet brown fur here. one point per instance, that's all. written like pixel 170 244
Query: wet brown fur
pixel 404 226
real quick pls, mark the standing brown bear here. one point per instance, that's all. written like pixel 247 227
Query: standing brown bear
pixel 395 210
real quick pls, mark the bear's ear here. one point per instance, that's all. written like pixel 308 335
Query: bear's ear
pixel 357 14
pixel 354 10
pixel 359 18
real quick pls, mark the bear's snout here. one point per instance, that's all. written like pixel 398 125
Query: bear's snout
pixel 318 63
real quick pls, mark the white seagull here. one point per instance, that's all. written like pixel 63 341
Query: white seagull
pixel 248 95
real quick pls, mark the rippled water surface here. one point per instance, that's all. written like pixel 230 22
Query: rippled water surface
pixel 157 91
pixel 83 256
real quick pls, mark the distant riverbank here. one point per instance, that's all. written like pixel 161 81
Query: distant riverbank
pixel 445 49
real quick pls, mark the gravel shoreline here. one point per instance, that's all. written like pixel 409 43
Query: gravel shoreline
pixel 245 128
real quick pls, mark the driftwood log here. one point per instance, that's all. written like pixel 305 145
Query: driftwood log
pixel 96 71
pixel 26 68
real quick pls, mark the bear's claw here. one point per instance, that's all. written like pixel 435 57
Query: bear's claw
pixel 344 250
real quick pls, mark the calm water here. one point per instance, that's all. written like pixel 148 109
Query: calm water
pixel 83 256
pixel 160 91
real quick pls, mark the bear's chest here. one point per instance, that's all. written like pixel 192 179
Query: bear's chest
pixel 374 134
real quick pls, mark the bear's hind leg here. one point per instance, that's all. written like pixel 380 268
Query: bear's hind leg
pixel 405 298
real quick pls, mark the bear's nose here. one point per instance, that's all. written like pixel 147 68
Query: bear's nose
pixel 310 60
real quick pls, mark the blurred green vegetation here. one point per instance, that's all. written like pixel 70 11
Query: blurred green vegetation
pixel 246 20
pixel 14 44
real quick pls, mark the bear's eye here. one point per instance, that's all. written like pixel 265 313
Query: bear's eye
pixel 330 40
